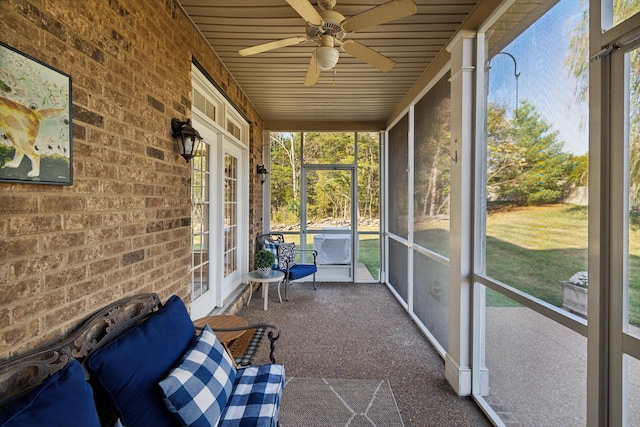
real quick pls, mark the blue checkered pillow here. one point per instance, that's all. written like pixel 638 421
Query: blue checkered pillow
pixel 256 397
pixel 273 248
pixel 198 389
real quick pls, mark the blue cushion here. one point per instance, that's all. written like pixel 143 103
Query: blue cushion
pixel 198 389
pixel 299 271
pixel 255 400
pixel 64 399
pixel 130 367
pixel 273 248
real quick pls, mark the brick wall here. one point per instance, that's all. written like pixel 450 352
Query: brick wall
pixel 123 226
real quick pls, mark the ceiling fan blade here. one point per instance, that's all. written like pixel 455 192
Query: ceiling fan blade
pixel 272 45
pixel 313 72
pixel 306 11
pixel 368 55
pixel 386 12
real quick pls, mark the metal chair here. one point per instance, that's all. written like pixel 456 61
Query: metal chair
pixel 285 258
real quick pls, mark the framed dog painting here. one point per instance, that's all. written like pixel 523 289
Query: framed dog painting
pixel 35 121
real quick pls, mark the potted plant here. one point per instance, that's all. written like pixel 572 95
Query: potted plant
pixel 574 293
pixel 263 262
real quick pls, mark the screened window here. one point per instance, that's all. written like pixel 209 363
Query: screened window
pixel 330 202
pixel 535 191
pixel 537 160
pixel 432 182
pixel 432 163
pixel 398 178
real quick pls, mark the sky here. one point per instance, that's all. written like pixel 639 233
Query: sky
pixel 544 79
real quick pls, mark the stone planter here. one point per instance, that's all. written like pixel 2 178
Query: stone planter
pixel 574 298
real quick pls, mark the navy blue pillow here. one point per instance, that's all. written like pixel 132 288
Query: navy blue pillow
pixel 130 367
pixel 64 399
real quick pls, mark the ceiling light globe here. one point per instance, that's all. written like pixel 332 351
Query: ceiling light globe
pixel 327 57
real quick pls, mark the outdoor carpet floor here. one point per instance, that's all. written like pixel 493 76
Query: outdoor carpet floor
pixel 322 402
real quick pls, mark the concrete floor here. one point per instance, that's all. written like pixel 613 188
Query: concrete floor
pixel 360 331
pixel 537 368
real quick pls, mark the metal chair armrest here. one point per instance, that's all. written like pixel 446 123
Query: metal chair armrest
pixel 270 334
pixel 313 251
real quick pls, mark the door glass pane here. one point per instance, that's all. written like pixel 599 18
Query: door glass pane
pixel 537 151
pixel 536 368
pixel 200 222
pixel 633 287
pixel 230 214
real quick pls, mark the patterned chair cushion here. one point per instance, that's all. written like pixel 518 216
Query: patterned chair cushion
pixel 273 248
pixel 287 255
pixel 255 400
pixel 197 391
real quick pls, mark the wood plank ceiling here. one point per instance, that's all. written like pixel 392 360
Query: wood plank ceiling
pixel 353 91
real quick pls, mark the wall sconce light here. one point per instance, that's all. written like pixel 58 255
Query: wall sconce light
pixel 187 138
pixel 262 173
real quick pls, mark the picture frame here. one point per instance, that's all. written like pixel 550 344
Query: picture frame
pixel 35 121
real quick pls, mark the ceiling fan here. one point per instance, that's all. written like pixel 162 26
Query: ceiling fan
pixel 328 29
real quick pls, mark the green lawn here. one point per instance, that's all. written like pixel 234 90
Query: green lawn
pixel 533 248
pixel 529 248
pixel 369 254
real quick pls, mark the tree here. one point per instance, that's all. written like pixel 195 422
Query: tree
pixel 432 154
pixel 285 161
pixel 368 175
pixel 328 191
pixel 578 66
pixel 526 161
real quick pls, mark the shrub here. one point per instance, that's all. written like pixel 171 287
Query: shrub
pixel 264 258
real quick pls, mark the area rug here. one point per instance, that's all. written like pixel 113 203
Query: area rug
pixel 323 402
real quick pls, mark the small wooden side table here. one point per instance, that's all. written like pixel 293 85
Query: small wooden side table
pixel 255 277
pixel 223 321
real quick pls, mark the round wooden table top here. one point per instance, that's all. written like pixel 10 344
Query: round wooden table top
pixel 223 321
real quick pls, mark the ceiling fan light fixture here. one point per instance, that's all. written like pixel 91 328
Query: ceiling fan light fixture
pixel 327 57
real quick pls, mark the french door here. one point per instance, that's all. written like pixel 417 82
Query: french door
pixel 203 192
pixel 218 222
pixel 232 218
